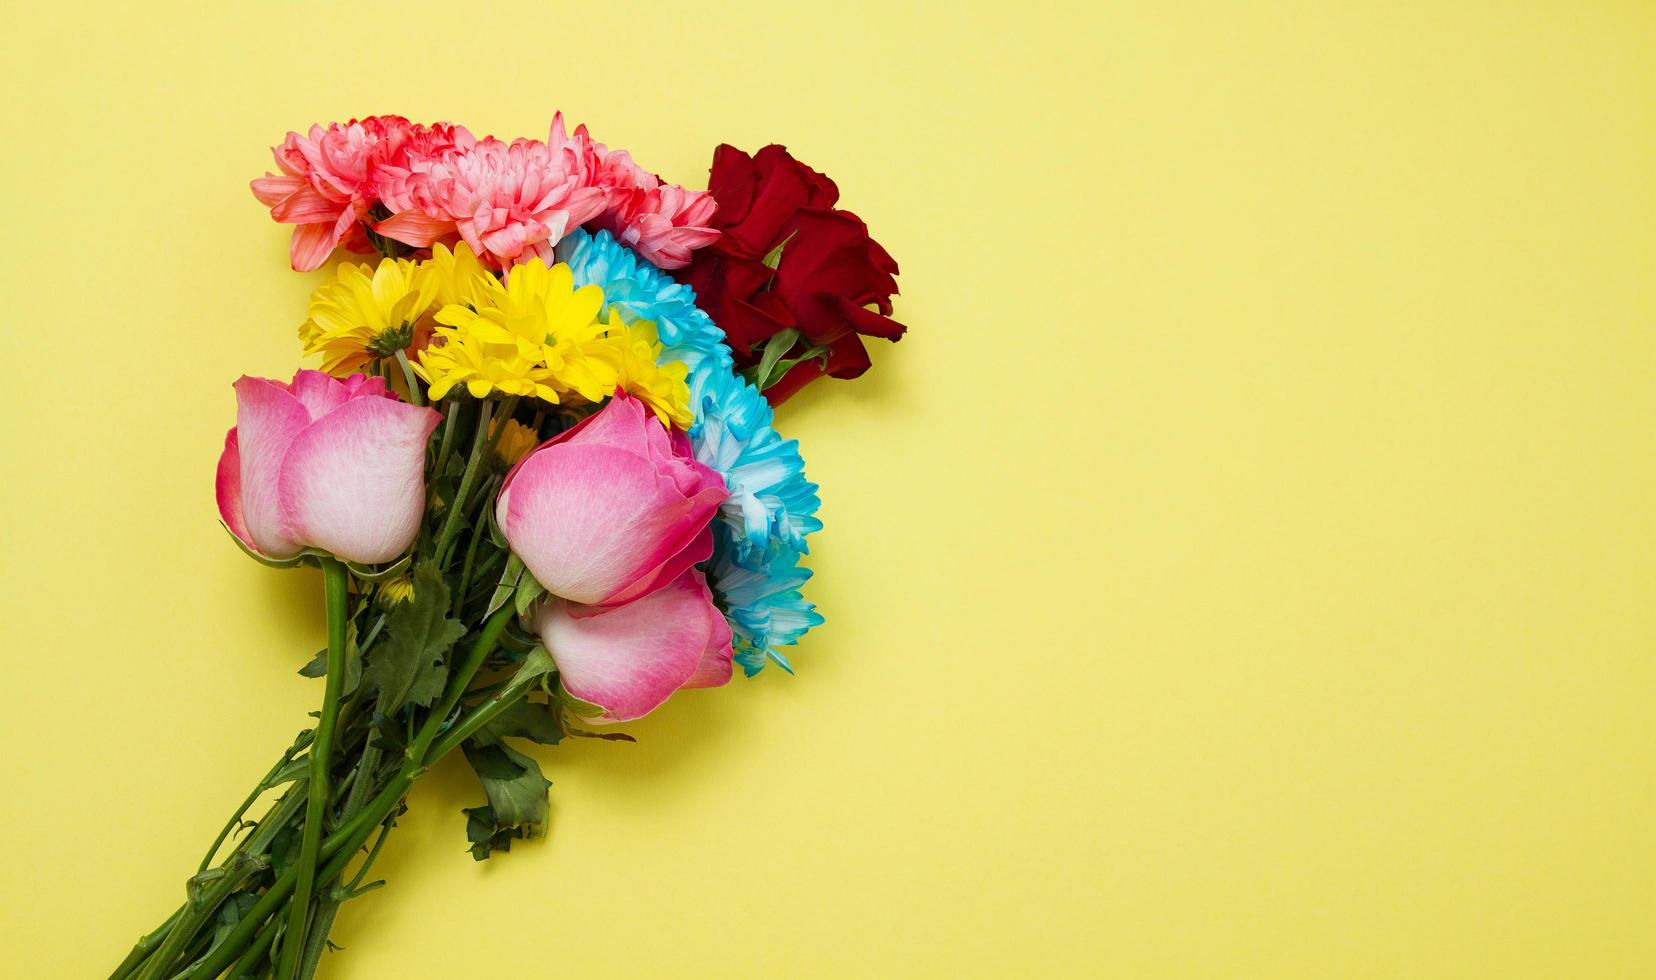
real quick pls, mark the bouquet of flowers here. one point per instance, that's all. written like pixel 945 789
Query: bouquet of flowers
pixel 537 470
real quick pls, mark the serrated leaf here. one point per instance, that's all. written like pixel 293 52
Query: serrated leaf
pixel 492 761
pixel 526 719
pixel 410 666
pixel 516 791
pixel 483 835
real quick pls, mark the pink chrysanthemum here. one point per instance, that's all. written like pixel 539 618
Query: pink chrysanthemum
pixel 330 178
pixel 662 222
pixel 510 202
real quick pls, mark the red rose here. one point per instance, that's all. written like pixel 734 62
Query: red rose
pixel 790 277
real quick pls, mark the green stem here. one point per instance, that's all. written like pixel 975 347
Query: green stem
pixel 254 845
pixel 198 911
pixel 257 950
pixel 414 394
pixel 477 535
pixel 457 506
pixel 486 641
pixel 484 713
pixel 235 818
pixel 336 582
pixel 507 407
pixel 451 415
pixel 141 951
pixel 324 919
pixel 342 844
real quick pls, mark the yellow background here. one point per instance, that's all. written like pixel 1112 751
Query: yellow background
pixel 1244 568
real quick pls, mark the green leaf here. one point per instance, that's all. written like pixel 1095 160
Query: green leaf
pixel 410 666
pixel 318 666
pixel 528 590
pixel 577 707
pixel 507 587
pixel 485 838
pixel 818 354
pixel 532 720
pixel 773 258
pixel 284 848
pixel 230 913
pixel 299 559
pixel 388 735
pixel 293 770
pixel 493 761
pixel 516 790
pixel 763 374
pixel 371 575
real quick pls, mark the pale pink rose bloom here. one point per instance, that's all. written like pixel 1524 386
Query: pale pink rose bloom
pixel 611 509
pixel 511 202
pixel 628 659
pixel 330 179
pixel 336 465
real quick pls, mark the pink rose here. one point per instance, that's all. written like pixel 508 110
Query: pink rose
pixel 337 465
pixel 612 509
pixel 628 659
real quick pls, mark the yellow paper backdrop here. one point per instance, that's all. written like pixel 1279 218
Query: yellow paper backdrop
pixel 1244 569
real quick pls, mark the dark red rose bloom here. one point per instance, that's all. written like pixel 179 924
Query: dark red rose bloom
pixel 827 270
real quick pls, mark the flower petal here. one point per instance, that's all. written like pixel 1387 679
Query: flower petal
pixel 714 668
pixel 268 419
pixel 227 488
pixel 271 190
pixel 353 483
pixel 631 658
pixel 311 246
pixel 415 228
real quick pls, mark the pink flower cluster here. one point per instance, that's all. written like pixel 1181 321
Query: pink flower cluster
pixel 510 202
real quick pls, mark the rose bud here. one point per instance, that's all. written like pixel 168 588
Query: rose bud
pixel 612 509
pixel 628 659
pixel 334 465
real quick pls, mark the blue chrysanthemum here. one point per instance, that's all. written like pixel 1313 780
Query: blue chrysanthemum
pixel 762 601
pixel 772 507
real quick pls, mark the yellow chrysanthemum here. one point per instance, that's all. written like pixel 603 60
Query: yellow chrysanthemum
pixel 633 351
pixel 366 314
pixel 513 442
pixel 527 336
pixel 472 357
pixel 459 279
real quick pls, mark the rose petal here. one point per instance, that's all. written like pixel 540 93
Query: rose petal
pixel 227 489
pixel 631 658
pixel 353 483
pixel 268 419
